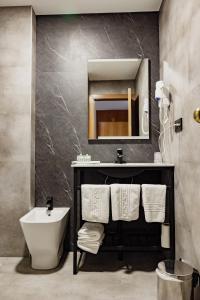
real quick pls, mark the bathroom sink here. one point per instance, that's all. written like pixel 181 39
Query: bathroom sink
pixel 129 164
pixel 44 235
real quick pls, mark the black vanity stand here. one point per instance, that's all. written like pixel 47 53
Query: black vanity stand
pixel 134 236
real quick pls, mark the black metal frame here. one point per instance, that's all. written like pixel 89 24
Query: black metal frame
pixel 166 176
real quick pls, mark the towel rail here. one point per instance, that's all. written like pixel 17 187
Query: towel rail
pixel 79 187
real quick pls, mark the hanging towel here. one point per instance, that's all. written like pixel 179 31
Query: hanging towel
pixel 90 237
pixel 95 202
pixel 154 198
pixel 125 199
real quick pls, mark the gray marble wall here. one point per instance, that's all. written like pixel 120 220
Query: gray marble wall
pixel 180 69
pixel 64 44
pixel 17 39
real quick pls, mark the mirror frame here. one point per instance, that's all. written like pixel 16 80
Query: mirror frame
pixel 134 139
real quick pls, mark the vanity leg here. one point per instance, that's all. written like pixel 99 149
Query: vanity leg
pixel 172 218
pixel 75 271
pixel 75 268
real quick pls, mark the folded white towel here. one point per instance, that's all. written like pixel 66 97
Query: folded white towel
pixel 91 246
pixel 125 199
pixel 154 199
pixel 95 202
pixel 90 237
pixel 90 231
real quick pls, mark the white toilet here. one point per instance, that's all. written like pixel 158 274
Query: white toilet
pixel 44 235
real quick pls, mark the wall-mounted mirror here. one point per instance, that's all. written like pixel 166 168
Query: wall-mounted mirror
pixel 118 99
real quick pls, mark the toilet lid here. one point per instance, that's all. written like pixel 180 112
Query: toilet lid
pixel 176 268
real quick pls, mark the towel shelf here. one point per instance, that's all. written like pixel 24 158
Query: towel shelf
pixel 122 248
pixel 134 236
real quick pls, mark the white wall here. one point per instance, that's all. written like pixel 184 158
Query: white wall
pixel 142 89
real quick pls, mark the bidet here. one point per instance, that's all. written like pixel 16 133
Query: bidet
pixel 44 235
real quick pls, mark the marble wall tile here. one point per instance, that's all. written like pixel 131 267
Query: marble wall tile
pixel 64 44
pixel 33 95
pixel 17 98
pixel 15 88
pixel 12 36
pixel 179 60
pixel 14 203
pixel 15 137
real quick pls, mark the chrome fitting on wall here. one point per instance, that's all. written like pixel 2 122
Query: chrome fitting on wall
pixel 196 115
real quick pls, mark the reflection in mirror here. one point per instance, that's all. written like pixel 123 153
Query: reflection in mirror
pixel 118 105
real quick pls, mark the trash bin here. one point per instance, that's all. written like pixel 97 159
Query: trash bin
pixel 174 280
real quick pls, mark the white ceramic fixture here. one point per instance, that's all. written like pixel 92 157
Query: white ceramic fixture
pixel 124 165
pixel 44 235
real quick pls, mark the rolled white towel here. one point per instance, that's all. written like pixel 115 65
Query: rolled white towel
pixel 154 201
pixel 125 199
pixel 91 231
pixel 95 202
pixel 165 236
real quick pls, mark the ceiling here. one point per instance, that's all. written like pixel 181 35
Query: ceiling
pixel 113 69
pixel 52 7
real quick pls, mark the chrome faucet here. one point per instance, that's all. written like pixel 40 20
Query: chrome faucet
pixel 120 156
pixel 49 205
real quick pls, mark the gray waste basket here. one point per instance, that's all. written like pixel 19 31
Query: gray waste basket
pixel 174 280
